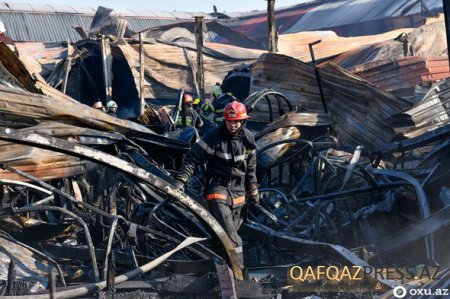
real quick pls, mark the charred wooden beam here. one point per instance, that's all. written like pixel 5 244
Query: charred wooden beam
pixel 199 29
pixel 111 273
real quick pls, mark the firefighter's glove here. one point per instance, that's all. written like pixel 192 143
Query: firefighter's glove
pixel 253 197
pixel 179 185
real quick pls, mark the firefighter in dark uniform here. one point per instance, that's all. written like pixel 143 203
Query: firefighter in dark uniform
pixel 192 117
pixel 219 106
pixel 229 155
pixel 111 108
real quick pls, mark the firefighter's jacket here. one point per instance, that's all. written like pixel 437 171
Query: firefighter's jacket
pixel 192 118
pixel 230 164
pixel 219 106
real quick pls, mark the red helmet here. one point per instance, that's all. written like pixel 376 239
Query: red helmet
pixel 235 111
pixel 187 98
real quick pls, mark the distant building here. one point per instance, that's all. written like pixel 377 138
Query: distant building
pixel 49 23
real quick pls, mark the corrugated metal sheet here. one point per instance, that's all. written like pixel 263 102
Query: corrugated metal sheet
pixel 41 163
pixel 39 8
pixel 340 16
pixel 43 27
pixel 47 55
pixel 428 40
pixel 402 75
pixel 333 14
pixel 297 44
pixel 430 113
pixel 367 54
pixel 47 23
pixel 139 24
pixel 379 26
pixel 169 68
pixel 20 108
pixel 358 108
pixel 257 26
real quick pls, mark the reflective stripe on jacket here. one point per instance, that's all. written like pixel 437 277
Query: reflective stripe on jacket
pixel 230 160
pixel 219 106
pixel 192 118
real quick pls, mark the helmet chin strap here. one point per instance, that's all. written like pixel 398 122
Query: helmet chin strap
pixel 244 122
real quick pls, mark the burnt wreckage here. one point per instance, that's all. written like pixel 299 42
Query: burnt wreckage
pixel 89 209
pixel 116 224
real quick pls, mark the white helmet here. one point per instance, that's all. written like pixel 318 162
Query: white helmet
pixel 111 104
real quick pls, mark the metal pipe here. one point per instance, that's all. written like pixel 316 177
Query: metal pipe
pixel 111 232
pixel 316 72
pixel 350 192
pixel 446 8
pixel 106 52
pixel 141 72
pixel 52 284
pixel 34 187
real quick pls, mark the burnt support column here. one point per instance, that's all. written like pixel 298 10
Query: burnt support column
pixel 446 5
pixel 141 73
pixel 273 35
pixel 199 28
